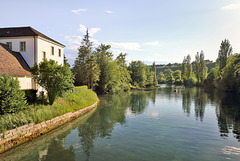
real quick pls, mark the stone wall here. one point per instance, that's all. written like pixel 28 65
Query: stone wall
pixel 27 132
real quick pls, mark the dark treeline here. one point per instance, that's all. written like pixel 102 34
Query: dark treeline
pixel 96 68
pixel 225 75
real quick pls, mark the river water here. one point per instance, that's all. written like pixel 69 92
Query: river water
pixel 193 124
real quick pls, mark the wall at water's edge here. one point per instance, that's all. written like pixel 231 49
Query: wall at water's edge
pixel 27 132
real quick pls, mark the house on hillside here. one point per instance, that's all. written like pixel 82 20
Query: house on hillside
pixel 21 47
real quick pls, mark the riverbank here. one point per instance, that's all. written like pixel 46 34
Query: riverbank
pixel 25 125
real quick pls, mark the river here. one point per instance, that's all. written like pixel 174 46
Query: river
pixel 193 124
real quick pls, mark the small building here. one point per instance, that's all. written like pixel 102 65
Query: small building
pixel 25 44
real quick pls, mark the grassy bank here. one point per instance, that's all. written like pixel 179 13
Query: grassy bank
pixel 72 101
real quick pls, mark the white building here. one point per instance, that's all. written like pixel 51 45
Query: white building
pixel 33 46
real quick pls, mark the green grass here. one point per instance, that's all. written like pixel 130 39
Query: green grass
pixel 72 101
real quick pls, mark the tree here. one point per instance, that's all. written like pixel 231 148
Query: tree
pixel 154 70
pixel 138 73
pixel 231 74
pixel 177 77
pixel 107 67
pixel 54 78
pixel 224 52
pixel 124 75
pixel 66 62
pixel 203 67
pixel 187 68
pixel 12 99
pixel 200 67
pixel 197 67
pixel 169 77
pixel 161 78
pixel 85 69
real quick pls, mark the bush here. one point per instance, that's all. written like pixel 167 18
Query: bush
pixel 71 101
pixel 12 99
pixel 31 95
pixel 192 81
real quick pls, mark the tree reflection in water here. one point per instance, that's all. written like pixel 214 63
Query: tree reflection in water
pixel 227 108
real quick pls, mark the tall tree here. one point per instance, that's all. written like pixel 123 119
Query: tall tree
pixel 197 67
pixel 109 73
pixel 186 68
pixel 124 75
pixel 154 70
pixel 85 68
pixel 203 67
pixel 224 52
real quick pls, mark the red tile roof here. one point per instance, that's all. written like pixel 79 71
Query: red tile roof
pixel 12 63
pixel 23 31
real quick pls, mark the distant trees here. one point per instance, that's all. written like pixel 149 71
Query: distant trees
pixel 200 67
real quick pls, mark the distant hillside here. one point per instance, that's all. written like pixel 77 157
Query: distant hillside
pixel 179 67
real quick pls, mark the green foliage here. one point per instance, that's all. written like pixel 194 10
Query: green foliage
pixel 54 78
pixel 200 67
pixel 109 73
pixel 138 73
pixel 85 68
pixel 231 74
pixel 70 102
pixel 12 99
pixel 161 78
pixel 124 75
pixel 186 68
pixel 177 77
pixel 224 52
pixel 169 76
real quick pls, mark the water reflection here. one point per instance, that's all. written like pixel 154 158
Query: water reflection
pixel 112 112
pixel 227 108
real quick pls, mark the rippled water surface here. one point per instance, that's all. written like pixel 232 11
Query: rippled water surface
pixel 192 124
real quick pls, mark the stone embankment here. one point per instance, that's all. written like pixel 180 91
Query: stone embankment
pixel 27 132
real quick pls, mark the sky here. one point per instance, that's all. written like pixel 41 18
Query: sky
pixel 163 31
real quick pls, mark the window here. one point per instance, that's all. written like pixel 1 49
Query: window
pixel 59 52
pixel 23 46
pixel 44 55
pixel 52 50
pixel 9 44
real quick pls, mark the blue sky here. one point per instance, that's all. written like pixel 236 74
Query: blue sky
pixel 147 30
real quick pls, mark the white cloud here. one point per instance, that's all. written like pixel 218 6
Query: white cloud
pixel 79 10
pixel 73 39
pixel 91 31
pixel 232 6
pixel 109 12
pixel 154 43
pixel 125 46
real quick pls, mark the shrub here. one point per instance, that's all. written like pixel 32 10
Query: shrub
pixel 12 99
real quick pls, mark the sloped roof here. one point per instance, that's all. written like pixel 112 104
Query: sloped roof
pixel 12 63
pixel 23 31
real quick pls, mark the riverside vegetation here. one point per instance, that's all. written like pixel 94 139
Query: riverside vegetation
pixel 70 101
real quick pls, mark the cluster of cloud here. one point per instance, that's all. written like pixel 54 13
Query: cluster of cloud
pixel 108 11
pixel 91 31
pixel 78 11
pixel 233 6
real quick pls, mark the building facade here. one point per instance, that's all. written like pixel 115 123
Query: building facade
pixel 33 46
